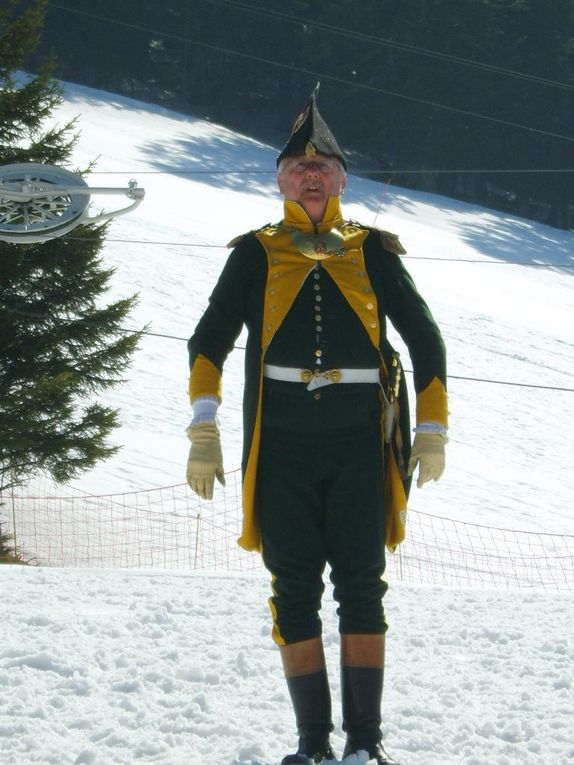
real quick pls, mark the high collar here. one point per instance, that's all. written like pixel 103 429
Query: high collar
pixel 296 217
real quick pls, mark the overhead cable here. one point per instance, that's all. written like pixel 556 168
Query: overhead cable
pixel 403 257
pixel 165 336
pixel 391 171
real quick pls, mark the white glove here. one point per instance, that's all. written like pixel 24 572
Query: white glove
pixel 429 454
pixel 205 461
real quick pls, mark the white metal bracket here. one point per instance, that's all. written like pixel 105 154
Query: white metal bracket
pixel 40 202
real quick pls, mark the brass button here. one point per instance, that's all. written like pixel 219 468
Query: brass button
pixel 316 276
pixel 370 306
pixel 317 287
pixel 373 324
pixel 317 317
pixel 318 298
pixel 318 328
pixel 317 396
pixel 276 261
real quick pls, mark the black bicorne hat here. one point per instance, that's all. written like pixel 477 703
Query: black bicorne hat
pixel 310 135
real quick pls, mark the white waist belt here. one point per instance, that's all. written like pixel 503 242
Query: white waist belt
pixel 318 378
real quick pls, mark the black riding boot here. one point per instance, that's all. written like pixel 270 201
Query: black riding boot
pixel 311 701
pixel 362 691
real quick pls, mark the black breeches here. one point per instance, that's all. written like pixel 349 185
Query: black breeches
pixel 320 501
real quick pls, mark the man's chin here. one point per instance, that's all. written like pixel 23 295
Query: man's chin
pixel 313 200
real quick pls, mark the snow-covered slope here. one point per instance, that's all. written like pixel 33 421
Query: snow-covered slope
pixel 116 667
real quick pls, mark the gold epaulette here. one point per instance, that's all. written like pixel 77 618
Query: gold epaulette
pixel 241 237
pixel 390 241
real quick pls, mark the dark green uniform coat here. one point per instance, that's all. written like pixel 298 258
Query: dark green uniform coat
pixel 257 287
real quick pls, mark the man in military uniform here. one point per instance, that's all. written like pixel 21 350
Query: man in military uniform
pixel 327 454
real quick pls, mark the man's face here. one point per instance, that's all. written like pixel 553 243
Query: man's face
pixel 310 181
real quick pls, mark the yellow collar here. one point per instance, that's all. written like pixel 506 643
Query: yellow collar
pixel 296 217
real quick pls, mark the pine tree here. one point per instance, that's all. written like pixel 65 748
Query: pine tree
pixel 8 552
pixel 61 344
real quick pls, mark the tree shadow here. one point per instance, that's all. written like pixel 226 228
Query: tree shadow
pixel 514 239
pixel 214 156
pixel 491 233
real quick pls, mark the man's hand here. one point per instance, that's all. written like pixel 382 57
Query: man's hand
pixel 428 454
pixel 205 461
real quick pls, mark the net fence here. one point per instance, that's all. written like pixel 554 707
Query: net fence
pixel 170 527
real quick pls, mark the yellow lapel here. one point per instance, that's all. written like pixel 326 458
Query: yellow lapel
pixel 289 264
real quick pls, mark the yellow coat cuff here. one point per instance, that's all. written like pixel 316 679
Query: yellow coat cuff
pixel 204 379
pixel 432 404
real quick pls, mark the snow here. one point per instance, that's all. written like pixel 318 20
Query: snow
pixel 116 666
pixel 132 667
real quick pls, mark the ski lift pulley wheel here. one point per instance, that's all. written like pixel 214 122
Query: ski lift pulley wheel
pixel 39 202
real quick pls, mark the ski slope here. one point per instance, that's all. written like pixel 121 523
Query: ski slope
pixel 106 667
